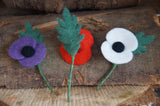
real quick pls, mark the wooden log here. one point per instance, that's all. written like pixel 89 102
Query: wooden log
pixel 150 97
pixel 3 23
pixel 142 70
pixel 85 19
pixel 3 104
pixel 58 5
pixel 87 96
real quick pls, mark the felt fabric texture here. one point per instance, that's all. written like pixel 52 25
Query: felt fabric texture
pixel 118 47
pixel 142 42
pixel 16 48
pixel 32 38
pixel 28 51
pixel 29 31
pixel 69 32
pixel 40 53
pixel 84 53
pixel 114 57
pixel 124 36
pixel 80 58
pixel 88 38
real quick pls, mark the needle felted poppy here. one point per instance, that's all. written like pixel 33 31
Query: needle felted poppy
pixel 121 45
pixel 29 49
pixel 84 53
pixel 76 46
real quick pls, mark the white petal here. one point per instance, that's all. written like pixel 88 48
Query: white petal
pixel 114 57
pixel 123 35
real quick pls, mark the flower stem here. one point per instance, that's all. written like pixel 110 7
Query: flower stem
pixel 40 71
pixel 113 68
pixel 70 78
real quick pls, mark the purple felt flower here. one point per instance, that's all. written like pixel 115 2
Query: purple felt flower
pixel 27 51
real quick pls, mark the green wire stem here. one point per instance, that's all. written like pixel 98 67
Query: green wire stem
pixel 113 68
pixel 40 71
pixel 70 78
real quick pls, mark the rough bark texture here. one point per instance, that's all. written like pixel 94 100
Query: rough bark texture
pixel 143 70
pixel 58 5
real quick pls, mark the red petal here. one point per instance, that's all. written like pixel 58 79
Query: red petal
pixel 81 57
pixel 88 39
pixel 84 53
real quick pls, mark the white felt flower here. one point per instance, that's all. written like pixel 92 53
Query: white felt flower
pixel 119 46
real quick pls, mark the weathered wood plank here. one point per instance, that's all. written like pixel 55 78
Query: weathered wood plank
pixel 143 70
pixel 3 104
pixel 80 96
pixel 150 97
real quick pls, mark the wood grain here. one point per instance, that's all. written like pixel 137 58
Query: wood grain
pixel 142 70
pixel 80 96
pixel 85 20
pixel 147 98
pixel 3 104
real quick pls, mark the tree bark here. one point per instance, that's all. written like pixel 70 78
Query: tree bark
pixel 58 5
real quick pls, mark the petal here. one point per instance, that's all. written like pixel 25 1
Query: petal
pixel 82 56
pixel 123 35
pixel 15 49
pixel 114 57
pixel 37 58
pixel 88 38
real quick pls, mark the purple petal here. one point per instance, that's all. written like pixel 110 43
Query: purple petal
pixel 15 49
pixel 40 53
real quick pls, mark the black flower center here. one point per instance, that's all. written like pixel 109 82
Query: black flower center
pixel 118 47
pixel 28 51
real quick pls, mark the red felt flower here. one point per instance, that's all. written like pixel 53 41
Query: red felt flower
pixel 84 53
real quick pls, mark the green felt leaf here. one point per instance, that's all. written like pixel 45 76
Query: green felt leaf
pixel 69 31
pixel 29 31
pixel 142 42
pixel 61 22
